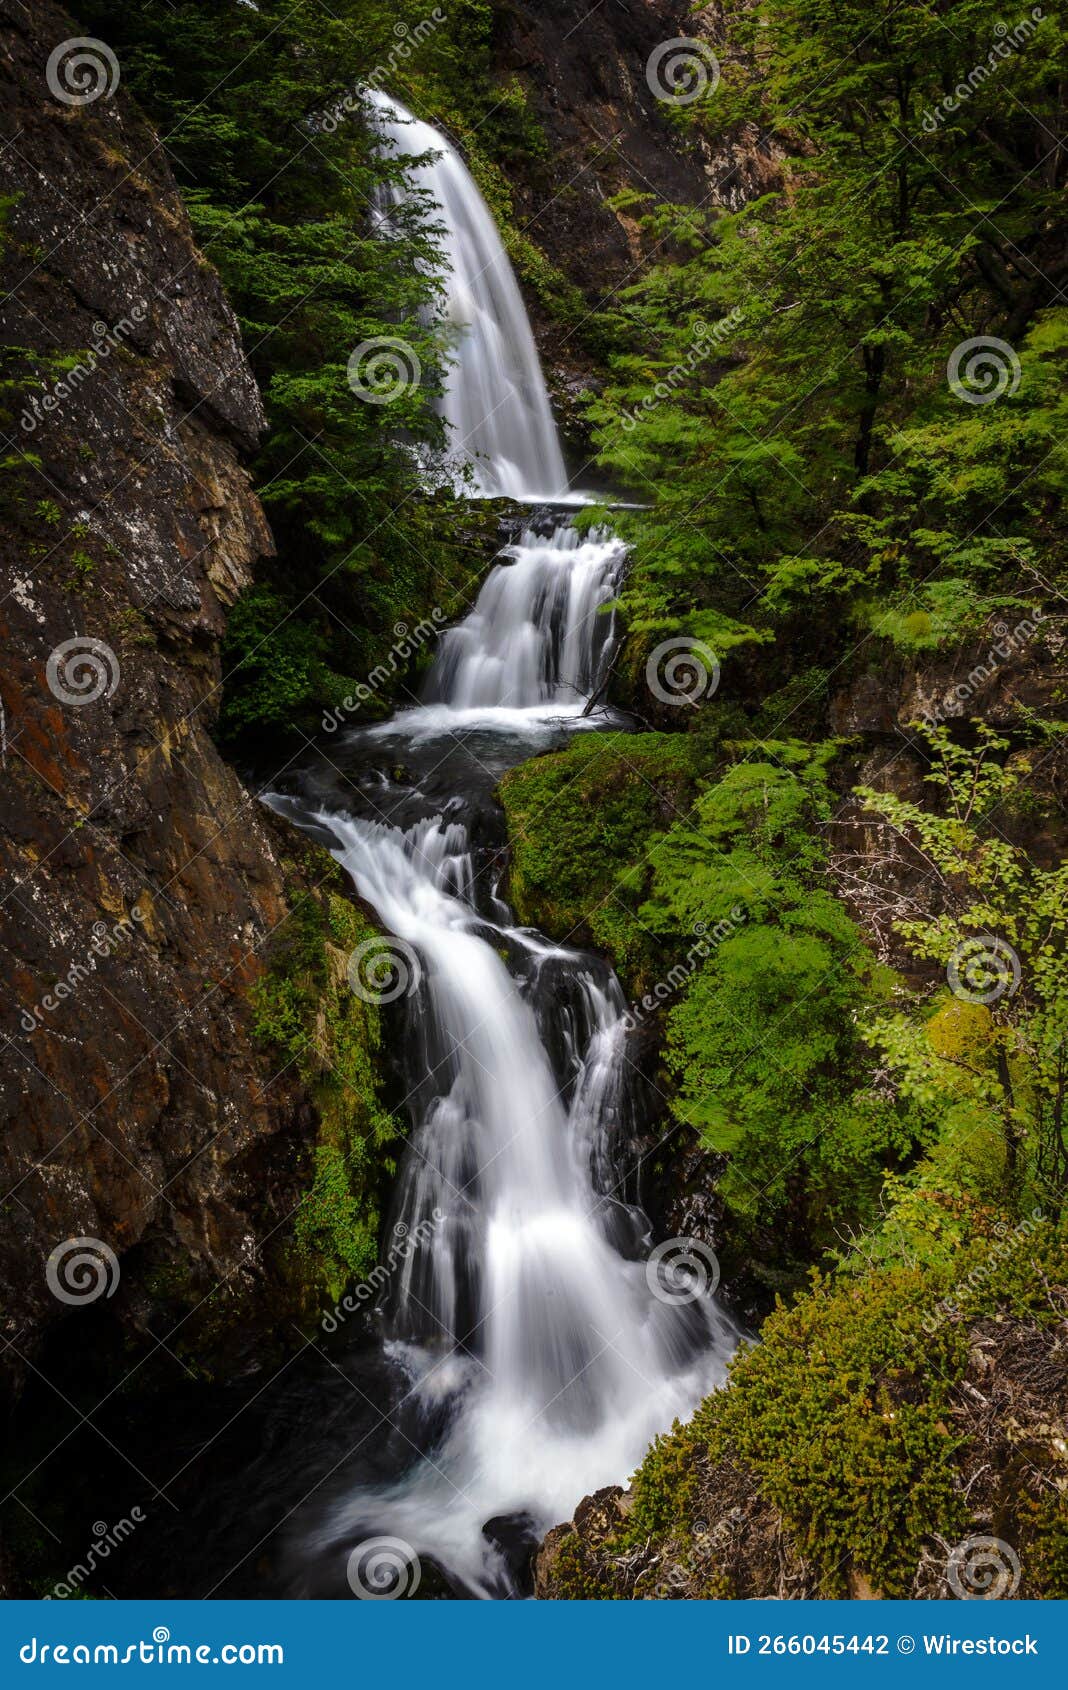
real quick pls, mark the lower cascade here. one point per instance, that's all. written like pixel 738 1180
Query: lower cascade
pixel 539 1345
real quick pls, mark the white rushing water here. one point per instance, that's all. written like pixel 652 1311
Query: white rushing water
pixel 542 1349
pixel 555 1353
pixel 495 400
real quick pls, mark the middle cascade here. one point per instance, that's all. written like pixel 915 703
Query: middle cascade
pixel 540 629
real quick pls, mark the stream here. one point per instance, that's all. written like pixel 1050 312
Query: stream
pixel 534 1344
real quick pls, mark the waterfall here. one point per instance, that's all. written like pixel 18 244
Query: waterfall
pixel 539 1347
pixel 495 400
pixel 527 1321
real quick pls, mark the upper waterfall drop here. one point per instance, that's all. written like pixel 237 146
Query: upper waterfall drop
pixel 495 400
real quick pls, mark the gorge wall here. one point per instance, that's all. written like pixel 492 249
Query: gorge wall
pixel 142 879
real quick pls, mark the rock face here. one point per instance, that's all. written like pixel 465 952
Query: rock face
pixel 594 78
pixel 597 78
pixel 141 878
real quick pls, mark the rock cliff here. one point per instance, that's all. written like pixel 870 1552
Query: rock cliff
pixel 141 878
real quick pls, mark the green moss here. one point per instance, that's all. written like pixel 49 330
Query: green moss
pixel 581 823
pixel 308 1014
pixel 842 1416
pixel 846 1416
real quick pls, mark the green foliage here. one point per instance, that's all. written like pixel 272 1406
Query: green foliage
pixel 841 1414
pixel 764 1039
pixel 991 1060
pixel 782 399
pixel 306 1012
pixel 847 1419
pixel 282 182
pixel 582 823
